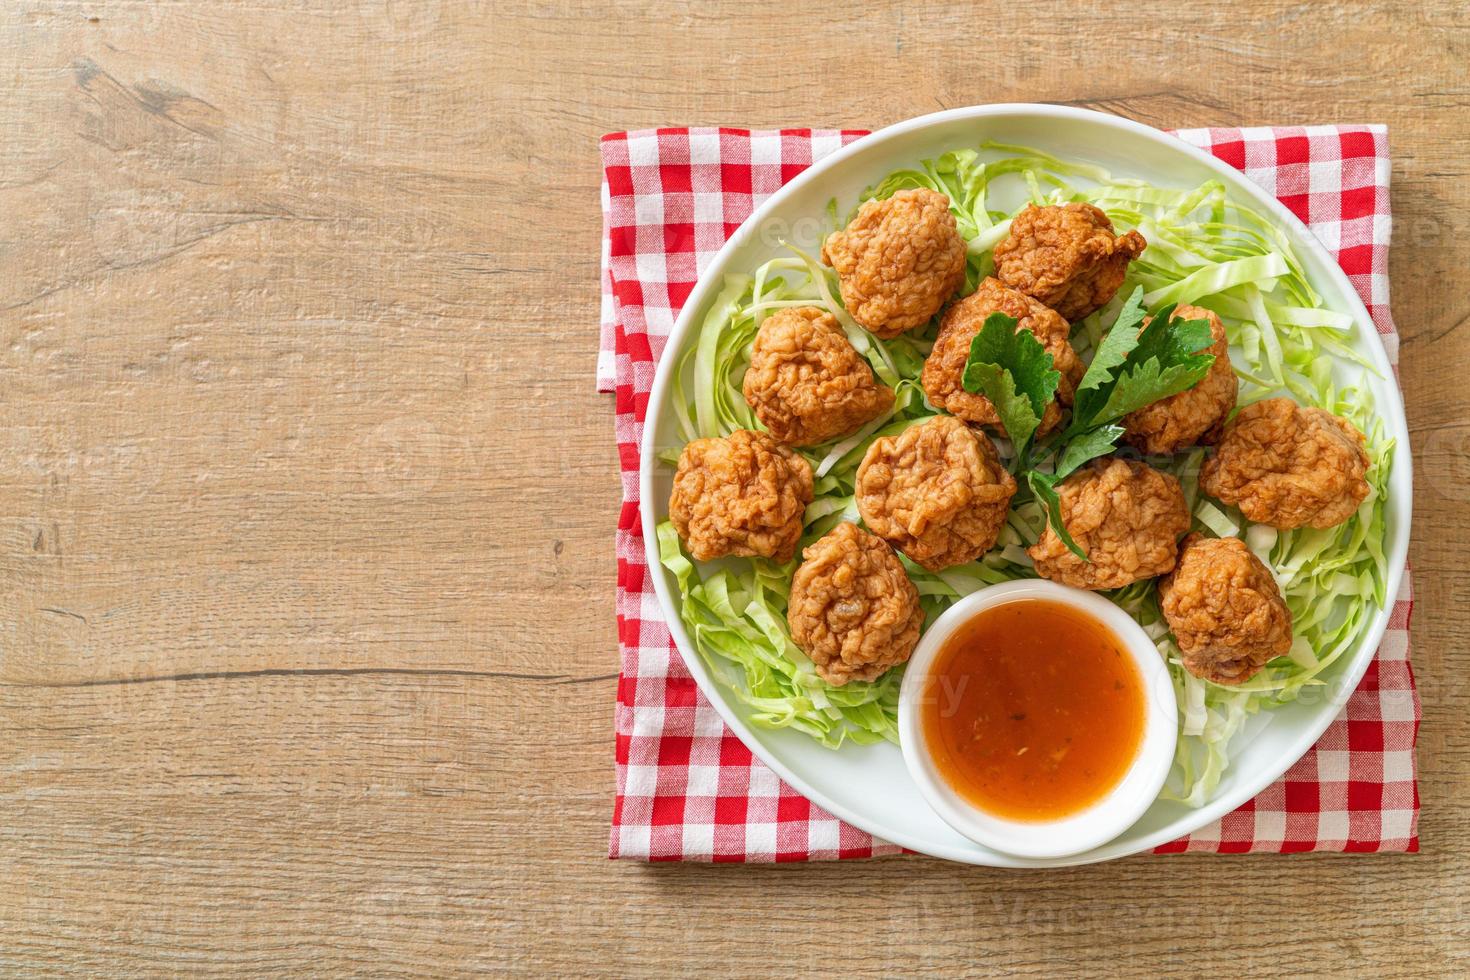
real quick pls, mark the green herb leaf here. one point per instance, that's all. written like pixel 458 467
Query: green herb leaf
pixel 1172 341
pixel 1133 367
pixel 1043 487
pixel 1150 383
pixel 1088 446
pixel 1012 369
pixel 1139 367
pixel 1164 362
pixel 1116 346
pixel 1013 407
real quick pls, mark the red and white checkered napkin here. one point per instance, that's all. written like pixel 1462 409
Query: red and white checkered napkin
pixel 688 789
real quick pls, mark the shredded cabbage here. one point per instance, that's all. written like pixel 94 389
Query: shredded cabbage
pixel 737 618
pixel 1203 249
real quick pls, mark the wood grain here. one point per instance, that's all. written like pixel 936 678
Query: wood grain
pixel 306 497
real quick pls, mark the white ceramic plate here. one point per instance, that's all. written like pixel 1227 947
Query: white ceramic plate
pixel 868 786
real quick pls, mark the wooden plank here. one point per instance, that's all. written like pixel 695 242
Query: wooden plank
pixel 306 498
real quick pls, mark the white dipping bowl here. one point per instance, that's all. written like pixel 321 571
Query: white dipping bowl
pixel 1103 820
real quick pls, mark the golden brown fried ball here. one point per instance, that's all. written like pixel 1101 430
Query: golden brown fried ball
pixel 853 609
pixel 1289 466
pixel 1128 518
pixel 1066 256
pixel 937 492
pixel 1225 610
pixel 740 495
pixel 944 370
pixel 807 383
pixel 1192 417
pixel 898 261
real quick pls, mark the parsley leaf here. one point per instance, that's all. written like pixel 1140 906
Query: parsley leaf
pixel 1012 369
pixel 1116 346
pixel 1150 383
pixel 1135 365
pixel 1165 362
pixel 1172 339
pixel 1043 488
pixel 1088 446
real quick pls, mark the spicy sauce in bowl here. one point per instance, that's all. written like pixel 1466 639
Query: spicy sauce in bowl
pixel 1037 719
pixel 1033 710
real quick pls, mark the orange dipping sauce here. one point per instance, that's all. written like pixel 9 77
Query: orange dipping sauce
pixel 1033 711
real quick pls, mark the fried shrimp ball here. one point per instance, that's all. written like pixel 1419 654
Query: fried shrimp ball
pixel 944 370
pixel 853 610
pixel 937 492
pixel 743 494
pixel 1289 466
pixel 898 261
pixel 1066 256
pixel 1128 518
pixel 1194 416
pixel 807 383
pixel 1225 610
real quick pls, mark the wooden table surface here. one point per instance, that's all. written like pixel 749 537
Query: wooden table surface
pixel 307 652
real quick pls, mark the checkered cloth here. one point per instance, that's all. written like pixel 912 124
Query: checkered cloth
pixel 688 789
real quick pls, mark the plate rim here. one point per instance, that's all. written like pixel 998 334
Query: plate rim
pixel 1400 479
